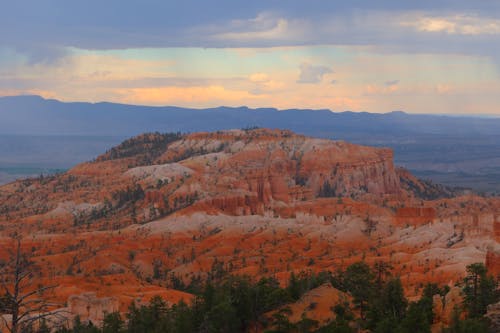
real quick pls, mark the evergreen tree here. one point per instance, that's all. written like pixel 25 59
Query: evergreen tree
pixel 358 281
pixel 281 322
pixel 112 323
pixel 294 287
pixel 183 319
pixel 389 309
pixel 480 290
pixel 469 325
pixel 417 318
pixel 343 316
pixel 306 325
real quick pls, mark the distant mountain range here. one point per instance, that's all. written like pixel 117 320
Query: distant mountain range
pixel 49 134
pixel 34 115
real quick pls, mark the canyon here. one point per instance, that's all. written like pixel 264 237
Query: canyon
pixel 160 210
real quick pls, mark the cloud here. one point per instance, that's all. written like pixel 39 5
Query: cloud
pixel 378 90
pixel 41 33
pixel 312 74
pixel 445 89
pixel 456 25
pixel 100 74
pixel 263 83
pixel 194 96
pixel 259 77
pixel 228 52
pixel 391 83
pixel 17 92
pixel 261 28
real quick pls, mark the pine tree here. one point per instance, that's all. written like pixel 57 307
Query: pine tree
pixel 480 290
pixel 112 323
pixel 358 280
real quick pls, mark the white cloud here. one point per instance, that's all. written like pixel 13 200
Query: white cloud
pixel 264 83
pixel 259 77
pixel 312 74
pixel 263 29
pixel 455 25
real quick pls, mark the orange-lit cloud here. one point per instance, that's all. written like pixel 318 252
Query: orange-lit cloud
pixel 444 89
pixel 456 24
pixel 195 96
pixel 43 93
pixel 275 77
pixel 372 89
pixel 111 67
pixel 259 77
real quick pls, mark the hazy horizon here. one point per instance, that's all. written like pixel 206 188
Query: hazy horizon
pixel 261 107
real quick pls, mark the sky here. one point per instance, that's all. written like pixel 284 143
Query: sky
pixel 437 56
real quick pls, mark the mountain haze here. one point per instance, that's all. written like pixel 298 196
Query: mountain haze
pixel 457 151
pixel 37 116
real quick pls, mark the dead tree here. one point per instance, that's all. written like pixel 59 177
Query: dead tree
pixel 24 299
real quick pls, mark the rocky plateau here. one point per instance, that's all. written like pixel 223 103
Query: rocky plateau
pixel 161 209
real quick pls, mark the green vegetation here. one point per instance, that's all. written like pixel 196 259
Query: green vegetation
pixel 145 147
pixel 428 190
pixel 480 290
pixel 327 190
pixel 128 195
pixel 238 304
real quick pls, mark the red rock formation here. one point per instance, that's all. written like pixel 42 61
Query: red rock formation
pixel 496 227
pixel 91 308
pixel 493 263
pixel 443 308
pixel 415 216
pixel 263 202
pixel 493 314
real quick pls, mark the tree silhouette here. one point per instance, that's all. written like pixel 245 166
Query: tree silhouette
pixel 25 303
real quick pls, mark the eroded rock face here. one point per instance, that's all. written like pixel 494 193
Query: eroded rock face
pixel 91 308
pixel 443 308
pixel 238 172
pixel 279 166
pixel 493 262
pixel 317 304
pixel 493 314
pixel 415 216
pixel 262 202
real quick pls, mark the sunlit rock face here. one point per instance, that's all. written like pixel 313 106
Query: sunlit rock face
pixel 260 202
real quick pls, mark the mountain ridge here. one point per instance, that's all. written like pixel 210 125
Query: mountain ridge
pixel 26 104
pixel 455 151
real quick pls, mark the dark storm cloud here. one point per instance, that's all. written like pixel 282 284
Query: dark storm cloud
pixel 42 29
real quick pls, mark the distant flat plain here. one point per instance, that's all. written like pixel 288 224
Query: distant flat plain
pixel 24 156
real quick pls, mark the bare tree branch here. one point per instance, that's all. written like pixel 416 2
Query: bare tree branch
pixel 17 279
